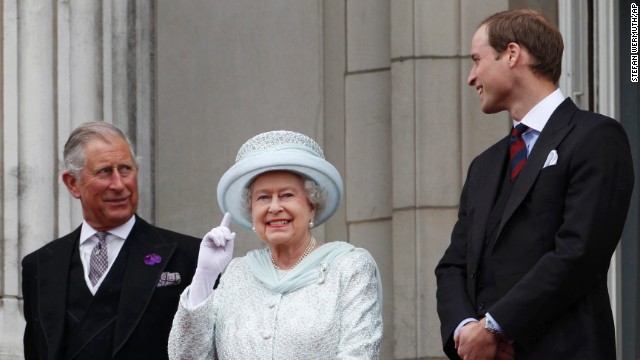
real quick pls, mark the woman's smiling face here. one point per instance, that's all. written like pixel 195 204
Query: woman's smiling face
pixel 280 209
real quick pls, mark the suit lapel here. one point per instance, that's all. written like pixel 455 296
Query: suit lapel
pixel 491 172
pixel 53 276
pixel 140 278
pixel 554 132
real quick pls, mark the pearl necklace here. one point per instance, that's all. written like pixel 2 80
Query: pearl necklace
pixel 306 252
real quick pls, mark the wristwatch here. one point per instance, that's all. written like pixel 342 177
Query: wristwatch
pixel 491 327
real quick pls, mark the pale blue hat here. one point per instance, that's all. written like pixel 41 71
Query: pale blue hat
pixel 285 151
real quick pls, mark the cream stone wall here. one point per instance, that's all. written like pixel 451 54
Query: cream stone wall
pixel 227 71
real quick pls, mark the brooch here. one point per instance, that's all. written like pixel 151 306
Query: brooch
pixel 322 272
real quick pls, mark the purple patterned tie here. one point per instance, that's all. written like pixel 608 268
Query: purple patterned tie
pixel 517 150
pixel 99 258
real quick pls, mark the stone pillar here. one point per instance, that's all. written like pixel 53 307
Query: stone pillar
pixel 437 128
pixel 28 162
pixel 129 91
pixel 368 142
pixel 58 73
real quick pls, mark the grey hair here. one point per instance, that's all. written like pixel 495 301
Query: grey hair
pixel 314 193
pixel 74 160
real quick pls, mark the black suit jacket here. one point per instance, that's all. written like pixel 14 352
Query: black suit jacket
pixel 555 239
pixel 140 328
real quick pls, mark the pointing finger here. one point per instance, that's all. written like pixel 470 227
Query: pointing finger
pixel 226 220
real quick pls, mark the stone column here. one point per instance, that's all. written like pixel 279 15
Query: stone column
pixel 368 142
pixel 28 160
pixel 436 130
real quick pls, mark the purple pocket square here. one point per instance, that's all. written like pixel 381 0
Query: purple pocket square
pixel 169 279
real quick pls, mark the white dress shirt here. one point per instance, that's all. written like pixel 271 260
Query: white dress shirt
pixel 538 116
pixel 115 239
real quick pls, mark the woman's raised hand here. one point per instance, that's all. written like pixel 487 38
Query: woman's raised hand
pixel 216 248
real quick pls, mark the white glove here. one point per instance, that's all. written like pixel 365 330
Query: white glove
pixel 216 251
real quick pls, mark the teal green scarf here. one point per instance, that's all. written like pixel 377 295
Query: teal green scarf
pixel 305 273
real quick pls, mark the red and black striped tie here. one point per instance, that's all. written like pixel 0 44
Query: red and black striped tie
pixel 517 150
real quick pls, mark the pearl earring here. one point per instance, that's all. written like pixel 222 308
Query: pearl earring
pixel 253 228
pixel 311 224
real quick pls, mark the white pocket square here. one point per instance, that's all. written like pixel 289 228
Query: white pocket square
pixel 552 159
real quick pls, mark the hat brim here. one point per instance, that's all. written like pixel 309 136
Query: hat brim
pixel 240 175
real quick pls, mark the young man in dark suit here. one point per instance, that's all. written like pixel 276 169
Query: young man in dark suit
pixel 541 211
pixel 109 289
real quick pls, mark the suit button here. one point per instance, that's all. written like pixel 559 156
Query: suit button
pixel 481 306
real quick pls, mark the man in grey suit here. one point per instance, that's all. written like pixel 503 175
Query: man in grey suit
pixel 110 288
pixel 541 211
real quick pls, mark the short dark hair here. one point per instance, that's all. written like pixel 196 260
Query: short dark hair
pixel 533 31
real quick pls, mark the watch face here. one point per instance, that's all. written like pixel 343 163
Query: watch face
pixel 490 326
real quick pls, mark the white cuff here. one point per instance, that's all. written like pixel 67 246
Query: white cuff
pixel 498 327
pixel 463 323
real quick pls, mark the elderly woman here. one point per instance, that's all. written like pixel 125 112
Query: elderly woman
pixel 295 298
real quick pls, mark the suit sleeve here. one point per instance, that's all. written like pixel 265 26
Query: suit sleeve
pixel 453 300
pixel 28 282
pixel 599 181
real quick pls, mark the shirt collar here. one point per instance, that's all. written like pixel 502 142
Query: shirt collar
pixel 538 116
pixel 121 231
